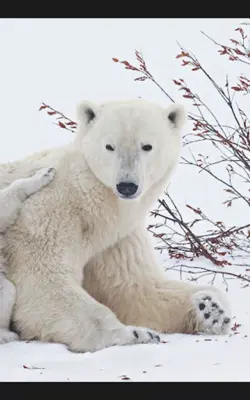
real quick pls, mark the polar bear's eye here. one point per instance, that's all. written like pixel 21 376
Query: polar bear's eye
pixel 109 147
pixel 147 147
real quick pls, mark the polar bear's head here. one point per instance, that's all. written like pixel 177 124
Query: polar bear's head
pixel 130 145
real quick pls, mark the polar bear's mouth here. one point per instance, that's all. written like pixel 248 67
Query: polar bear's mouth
pixel 127 190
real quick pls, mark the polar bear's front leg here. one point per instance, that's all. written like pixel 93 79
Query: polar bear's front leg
pixel 25 187
pixel 128 280
pixel 58 310
pixel 43 251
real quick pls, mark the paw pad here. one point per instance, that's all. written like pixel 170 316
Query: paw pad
pixel 210 313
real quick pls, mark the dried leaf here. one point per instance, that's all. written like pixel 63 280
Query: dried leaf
pixel 188 96
pixel 31 367
pixel 125 378
pixel 61 124
pixel 125 63
pixel 42 107
pixel 236 88
pixel 182 54
pixel 229 191
pixel 234 41
pixel 196 210
pixel 237 51
pixel 141 78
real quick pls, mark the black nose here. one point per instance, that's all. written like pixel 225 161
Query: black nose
pixel 127 188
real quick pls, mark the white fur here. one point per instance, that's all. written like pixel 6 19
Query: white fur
pixel 81 222
pixel 11 201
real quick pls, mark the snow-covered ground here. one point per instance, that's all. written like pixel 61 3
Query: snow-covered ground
pixel 51 61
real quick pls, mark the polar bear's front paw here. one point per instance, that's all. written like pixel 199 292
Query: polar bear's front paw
pixel 7 336
pixel 143 335
pixel 211 311
pixel 44 176
pixel 121 336
pixel 36 182
pixel 132 335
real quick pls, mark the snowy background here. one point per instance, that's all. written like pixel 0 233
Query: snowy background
pixel 61 62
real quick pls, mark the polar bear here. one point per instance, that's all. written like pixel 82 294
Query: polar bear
pixel 11 200
pixel 79 253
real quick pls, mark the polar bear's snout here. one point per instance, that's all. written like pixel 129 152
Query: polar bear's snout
pixel 127 189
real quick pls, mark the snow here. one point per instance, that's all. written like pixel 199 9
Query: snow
pixel 57 62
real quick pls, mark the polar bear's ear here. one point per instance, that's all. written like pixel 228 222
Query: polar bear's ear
pixel 177 115
pixel 86 113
